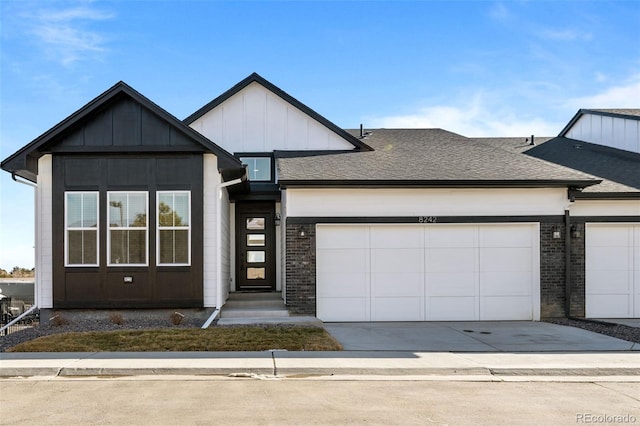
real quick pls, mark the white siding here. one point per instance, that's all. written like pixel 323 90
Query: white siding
pixel 225 251
pixel 210 225
pixel 44 233
pixel 605 208
pixel 257 120
pixel 616 132
pixel 424 202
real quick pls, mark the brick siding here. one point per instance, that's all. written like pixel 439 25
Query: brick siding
pixel 300 269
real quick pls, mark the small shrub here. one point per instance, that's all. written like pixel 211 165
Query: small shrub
pixel 176 318
pixel 116 318
pixel 58 320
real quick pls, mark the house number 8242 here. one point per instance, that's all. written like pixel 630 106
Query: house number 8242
pixel 427 219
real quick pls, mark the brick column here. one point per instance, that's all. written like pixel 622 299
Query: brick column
pixel 578 271
pixel 300 268
pixel 552 271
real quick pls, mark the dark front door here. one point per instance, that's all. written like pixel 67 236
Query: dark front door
pixel 255 247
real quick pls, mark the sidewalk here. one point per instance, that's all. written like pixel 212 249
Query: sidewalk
pixel 285 364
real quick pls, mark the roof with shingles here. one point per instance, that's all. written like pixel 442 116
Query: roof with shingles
pixel 618 169
pixel 431 157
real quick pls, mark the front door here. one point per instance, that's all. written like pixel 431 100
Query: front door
pixel 255 247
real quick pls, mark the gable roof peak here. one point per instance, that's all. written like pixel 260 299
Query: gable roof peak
pixel 255 77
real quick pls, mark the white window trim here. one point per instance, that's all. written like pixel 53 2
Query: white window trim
pixel 67 229
pixel 169 228
pixel 136 228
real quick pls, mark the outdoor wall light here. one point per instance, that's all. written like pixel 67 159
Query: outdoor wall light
pixel 575 232
pixel 556 233
pixel 278 219
pixel 302 233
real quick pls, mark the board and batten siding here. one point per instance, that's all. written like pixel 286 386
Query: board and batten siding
pixel 210 227
pixel 44 233
pixel 616 132
pixel 257 120
pixel 302 202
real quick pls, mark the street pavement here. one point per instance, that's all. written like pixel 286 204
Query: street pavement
pixel 480 350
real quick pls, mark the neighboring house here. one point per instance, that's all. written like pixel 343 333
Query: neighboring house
pixel 257 192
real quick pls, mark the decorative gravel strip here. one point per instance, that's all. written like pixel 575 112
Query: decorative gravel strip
pixel 619 331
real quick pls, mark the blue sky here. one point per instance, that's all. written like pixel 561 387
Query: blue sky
pixel 479 68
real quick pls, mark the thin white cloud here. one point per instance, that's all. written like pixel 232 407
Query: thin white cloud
pixel 566 35
pixel 499 12
pixel 66 34
pixel 625 95
pixel 473 118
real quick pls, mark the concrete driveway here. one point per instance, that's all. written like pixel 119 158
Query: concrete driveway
pixel 477 336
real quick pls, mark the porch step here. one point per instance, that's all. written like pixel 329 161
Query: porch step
pixel 298 320
pixel 254 305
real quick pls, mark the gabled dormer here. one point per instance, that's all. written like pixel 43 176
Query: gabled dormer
pixel 615 128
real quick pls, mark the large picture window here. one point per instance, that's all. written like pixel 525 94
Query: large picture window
pixel 174 228
pixel 81 228
pixel 128 238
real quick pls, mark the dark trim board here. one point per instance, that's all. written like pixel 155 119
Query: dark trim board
pixel 604 219
pixel 425 220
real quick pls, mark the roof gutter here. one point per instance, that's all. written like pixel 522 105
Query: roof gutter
pixel 24 182
pixel 573 184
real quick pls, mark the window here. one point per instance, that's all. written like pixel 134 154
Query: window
pixel 81 228
pixel 258 168
pixel 174 228
pixel 127 216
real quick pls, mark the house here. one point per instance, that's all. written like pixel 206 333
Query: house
pixel 257 192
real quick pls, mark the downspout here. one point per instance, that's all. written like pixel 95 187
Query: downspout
pixel 567 263
pixel 36 290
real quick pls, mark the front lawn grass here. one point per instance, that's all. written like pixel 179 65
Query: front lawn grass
pixel 232 338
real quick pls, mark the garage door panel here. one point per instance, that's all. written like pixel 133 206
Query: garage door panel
pixel 397 237
pixel 452 309
pixel 612 284
pixel 342 285
pixel 608 235
pixel 505 308
pixel 608 258
pixel 604 282
pixel 505 236
pixel 343 309
pixel 448 236
pixel 514 259
pixel 505 284
pixel 343 260
pixel 397 260
pixel 452 260
pixel 397 309
pixel 397 284
pixel 453 284
pixel 342 237
pixel 609 306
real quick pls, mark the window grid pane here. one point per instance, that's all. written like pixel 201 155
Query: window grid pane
pixel 127 216
pixel 81 222
pixel 173 228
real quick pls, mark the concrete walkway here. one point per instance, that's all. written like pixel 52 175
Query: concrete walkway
pixel 296 364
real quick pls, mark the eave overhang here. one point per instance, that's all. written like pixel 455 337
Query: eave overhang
pixel 573 184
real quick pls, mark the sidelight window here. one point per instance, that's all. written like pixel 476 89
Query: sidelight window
pixel 81 228
pixel 128 240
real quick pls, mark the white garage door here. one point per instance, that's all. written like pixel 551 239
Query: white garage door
pixel 431 272
pixel 612 284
